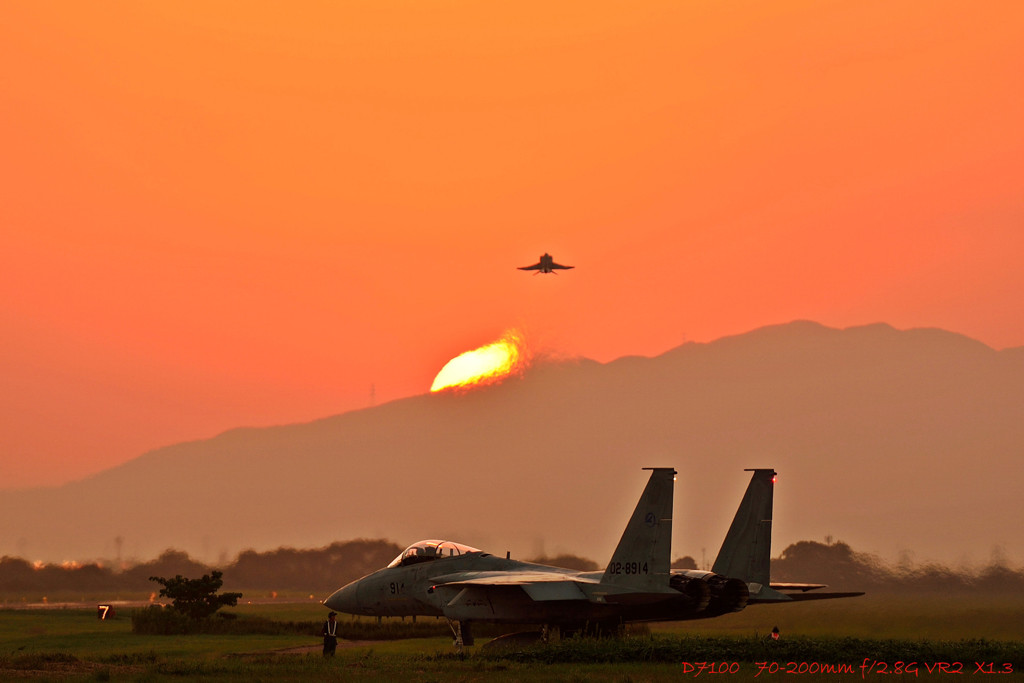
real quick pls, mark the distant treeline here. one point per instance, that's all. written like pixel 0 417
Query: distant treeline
pixel 322 570
pixel 842 568
pixel 318 571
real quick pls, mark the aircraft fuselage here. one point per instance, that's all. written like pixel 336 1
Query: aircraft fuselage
pixel 445 587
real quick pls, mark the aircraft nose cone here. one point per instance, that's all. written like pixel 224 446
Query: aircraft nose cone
pixel 345 599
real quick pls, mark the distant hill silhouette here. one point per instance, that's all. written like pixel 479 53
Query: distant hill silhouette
pixel 892 440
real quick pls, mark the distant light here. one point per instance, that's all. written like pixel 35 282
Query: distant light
pixel 774 478
pixel 488 364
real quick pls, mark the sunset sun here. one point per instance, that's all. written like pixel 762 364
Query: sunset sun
pixel 489 363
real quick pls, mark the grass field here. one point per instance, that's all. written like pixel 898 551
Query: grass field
pixel 68 644
pixel 932 617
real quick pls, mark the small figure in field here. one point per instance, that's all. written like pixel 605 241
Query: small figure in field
pixel 330 633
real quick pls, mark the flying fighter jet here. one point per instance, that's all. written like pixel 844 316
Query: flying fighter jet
pixel 546 265
pixel 467 585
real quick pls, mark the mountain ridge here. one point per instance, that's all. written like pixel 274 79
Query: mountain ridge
pixel 860 422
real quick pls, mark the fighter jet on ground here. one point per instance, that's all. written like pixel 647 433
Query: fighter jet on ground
pixel 546 265
pixel 467 585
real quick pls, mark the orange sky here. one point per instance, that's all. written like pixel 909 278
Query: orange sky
pixel 219 214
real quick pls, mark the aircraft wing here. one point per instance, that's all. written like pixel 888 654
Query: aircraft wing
pixel 804 587
pixel 464 592
pixel 542 586
pixel 797 592
pixel 513 578
pixel 561 267
pixel 800 597
pixel 535 266
pixel 539 591
pixel 538 585
pixel 796 597
pixel 798 586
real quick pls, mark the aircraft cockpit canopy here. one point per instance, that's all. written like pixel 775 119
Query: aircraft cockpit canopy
pixel 424 551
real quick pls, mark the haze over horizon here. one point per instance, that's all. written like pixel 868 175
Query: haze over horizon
pixel 541 358
pixel 896 442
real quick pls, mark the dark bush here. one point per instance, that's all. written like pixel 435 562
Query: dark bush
pixel 197 598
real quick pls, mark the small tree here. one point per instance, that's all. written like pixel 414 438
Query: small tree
pixel 196 598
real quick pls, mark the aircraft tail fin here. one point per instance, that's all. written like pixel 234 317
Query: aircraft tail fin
pixel 746 551
pixel 642 557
